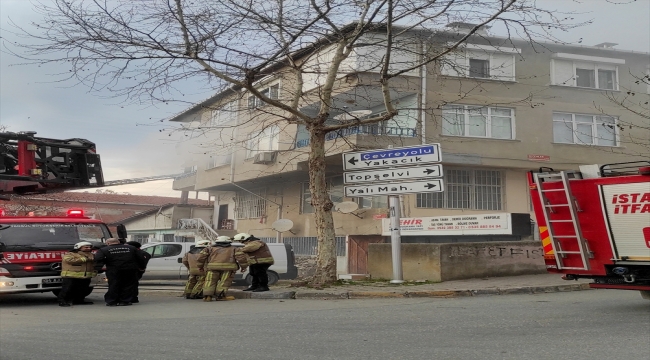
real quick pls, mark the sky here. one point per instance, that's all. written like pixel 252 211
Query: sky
pixel 128 136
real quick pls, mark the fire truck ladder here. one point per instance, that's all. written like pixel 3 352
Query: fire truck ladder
pixel 555 235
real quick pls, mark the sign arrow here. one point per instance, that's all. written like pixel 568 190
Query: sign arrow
pixel 353 161
pixel 429 171
pixel 430 186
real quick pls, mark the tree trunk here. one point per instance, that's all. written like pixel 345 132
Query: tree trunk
pixel 326 259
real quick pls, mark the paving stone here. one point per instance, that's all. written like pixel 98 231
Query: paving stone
pixel 517 290
pixel 375 294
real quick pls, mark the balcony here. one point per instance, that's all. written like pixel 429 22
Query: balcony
pixel 374 129
pixel 185 182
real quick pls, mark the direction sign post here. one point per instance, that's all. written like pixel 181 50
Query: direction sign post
pixel 395 239
pixel 386 170
pixel 384 175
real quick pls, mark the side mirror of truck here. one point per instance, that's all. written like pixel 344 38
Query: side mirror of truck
pixel 121 231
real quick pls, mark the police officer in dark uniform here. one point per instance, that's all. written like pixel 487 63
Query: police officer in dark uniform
pixel 123 262
pixel 146 256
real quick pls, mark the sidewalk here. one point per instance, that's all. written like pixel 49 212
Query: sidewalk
pixel 525 284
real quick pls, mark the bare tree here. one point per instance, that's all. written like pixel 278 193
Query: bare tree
pixel 633 100
pixel 143 49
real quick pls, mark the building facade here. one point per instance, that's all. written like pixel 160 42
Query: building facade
pixel 498 108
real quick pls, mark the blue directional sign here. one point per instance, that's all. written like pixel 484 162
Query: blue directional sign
pixel 381 158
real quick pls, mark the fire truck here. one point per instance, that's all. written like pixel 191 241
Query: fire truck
pixel 31 247
pixel 595 223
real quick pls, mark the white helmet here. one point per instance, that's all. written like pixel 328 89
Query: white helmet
pixel 223 239
pixel 78 245
pixel 202 243
pixel 242 237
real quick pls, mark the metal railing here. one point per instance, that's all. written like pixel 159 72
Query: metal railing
pixel 373 129
pixel 202 228
pixel 308 245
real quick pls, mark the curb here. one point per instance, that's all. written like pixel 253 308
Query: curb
pixel 339 295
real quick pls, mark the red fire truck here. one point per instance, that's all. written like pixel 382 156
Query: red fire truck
pixel 31 249
pixel 595 223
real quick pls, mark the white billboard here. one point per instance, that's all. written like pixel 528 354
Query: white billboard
pixel 485 224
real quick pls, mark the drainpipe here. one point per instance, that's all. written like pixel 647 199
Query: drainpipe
pixel 278 236
pixel 423 100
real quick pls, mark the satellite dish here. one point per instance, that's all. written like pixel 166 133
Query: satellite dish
pixel 346 207
pixel 352 115
pixel 282 225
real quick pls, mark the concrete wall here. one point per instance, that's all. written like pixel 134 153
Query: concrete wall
pixel 444 262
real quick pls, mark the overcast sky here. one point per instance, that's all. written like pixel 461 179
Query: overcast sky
pixel 128 137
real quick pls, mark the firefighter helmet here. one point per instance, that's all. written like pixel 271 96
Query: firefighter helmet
pixel 243 237
pixel 202 243
pixel 223 239
pixel 78 245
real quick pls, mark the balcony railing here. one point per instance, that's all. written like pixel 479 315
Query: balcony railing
pixel 374 129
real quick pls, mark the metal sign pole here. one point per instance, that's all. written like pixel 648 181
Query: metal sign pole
pixel 395 238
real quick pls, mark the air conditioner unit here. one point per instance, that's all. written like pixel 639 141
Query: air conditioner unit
pixel 265 158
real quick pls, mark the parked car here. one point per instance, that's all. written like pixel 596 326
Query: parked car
pixel 166 262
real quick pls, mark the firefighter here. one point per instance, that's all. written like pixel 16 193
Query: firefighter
pixel 220 261
pixel 260 259
pixel 123 262
pixel 77 268
pixel 194 285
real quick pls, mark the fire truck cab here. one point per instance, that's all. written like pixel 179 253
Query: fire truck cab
pixel 31 249
pixel 595 223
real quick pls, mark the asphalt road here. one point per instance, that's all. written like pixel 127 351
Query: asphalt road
pixel 599 324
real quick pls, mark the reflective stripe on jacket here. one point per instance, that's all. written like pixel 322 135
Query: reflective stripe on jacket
pixel 222 258
pixel 78 264
pixel 258 252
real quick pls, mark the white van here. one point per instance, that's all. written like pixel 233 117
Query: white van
pixel 166 262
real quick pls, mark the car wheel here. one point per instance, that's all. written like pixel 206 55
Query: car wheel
pixel 56 292
pixel 273 278
pixel 88 291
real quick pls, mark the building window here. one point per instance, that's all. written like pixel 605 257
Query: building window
pixel 141 238
pixel 168 237
pixel 483 62
pixel 479 68
pixel 218 160
pixel 272 92
pixel 250 205
pixel 466 189
pixel 584 129
pixel 590 75
pixel 265 140
pixel 225 114
pixel 477 121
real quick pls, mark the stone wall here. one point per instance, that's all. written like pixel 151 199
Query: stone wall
pixel 444 262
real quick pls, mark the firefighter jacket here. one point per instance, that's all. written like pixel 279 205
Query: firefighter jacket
pixel 78 265
pixel 120 257
pixel 190 260
pixel 258 252
pixel 222 257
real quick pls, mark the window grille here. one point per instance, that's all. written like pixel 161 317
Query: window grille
pixel 250 206
pixel 466 189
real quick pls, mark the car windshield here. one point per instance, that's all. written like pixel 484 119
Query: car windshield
pixel 44 234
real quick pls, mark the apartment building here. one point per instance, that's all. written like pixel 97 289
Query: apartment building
pixel 499 108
